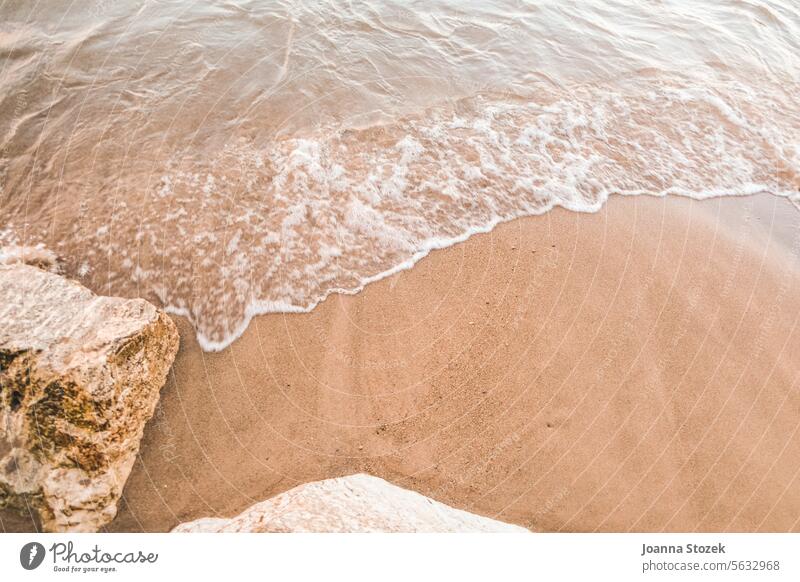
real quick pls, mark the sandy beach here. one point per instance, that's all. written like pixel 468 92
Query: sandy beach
pixel 630 370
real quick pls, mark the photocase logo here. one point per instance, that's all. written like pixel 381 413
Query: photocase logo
pixel 31 555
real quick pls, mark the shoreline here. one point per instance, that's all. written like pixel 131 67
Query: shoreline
pixel 764 207
pixel 561 372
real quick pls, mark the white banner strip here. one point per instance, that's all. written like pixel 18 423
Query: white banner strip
pixel 387 557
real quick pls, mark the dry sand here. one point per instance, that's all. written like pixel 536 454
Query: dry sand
pixel 635 369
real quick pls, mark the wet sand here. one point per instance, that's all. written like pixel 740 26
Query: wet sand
pixel 634 369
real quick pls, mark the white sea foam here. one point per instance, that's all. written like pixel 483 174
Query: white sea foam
pixel 314 148
pixel 332 212
pixel 39 256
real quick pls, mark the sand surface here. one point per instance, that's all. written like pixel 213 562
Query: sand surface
pixel 635 369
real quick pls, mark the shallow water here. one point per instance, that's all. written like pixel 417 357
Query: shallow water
pixel 233 158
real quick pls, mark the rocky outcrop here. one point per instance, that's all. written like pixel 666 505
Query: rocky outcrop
pixel 80 376
pixel 358 503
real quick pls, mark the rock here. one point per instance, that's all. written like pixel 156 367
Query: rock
pixel 358 503
pixel 80 376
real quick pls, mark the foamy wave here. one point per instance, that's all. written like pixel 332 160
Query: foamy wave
pixel 38 256
pixel 279 229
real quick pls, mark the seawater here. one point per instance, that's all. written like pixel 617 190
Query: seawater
pixel 230 159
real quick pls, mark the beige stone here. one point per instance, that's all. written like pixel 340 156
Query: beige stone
pixel 80 375
pixel 357 503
